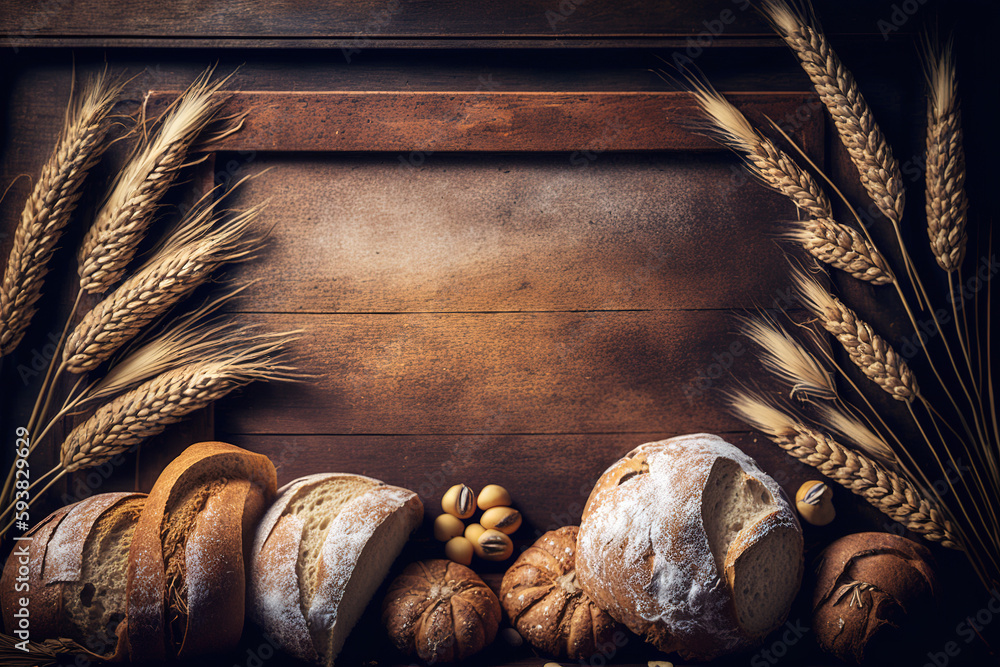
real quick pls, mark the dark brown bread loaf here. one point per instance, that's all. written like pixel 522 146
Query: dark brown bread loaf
pixel 691 546
pixel 77 560
pixel 545 603
pixel 186 572
pixel 867 585
pixel 440 611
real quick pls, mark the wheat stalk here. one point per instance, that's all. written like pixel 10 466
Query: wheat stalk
pixel 946 203
pixel 181 265
pixel 839 92
pixel 47 211
pixel 823 237
pixel 43 653
pixel 131 205
pixel 867 350
pixel 892 494
pixel 786 358
pixel 167 398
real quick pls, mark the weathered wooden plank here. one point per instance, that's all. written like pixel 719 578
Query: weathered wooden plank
pixel 497 373
pixel 510 233
pixel 368 20
pixel 427 122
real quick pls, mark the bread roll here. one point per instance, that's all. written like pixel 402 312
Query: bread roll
pixel 544 601
pixel 320 553
pixel 689 544
pixel 440 611
pixel 870 588
pixel 77 562
pixel 186 573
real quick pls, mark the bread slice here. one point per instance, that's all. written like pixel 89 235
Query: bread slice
pixel 78 563
pixel 320 553
pixel 754 543
pixel 95 602
pixel 186 575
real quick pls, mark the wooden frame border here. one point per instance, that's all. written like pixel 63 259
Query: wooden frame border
pixel 426 122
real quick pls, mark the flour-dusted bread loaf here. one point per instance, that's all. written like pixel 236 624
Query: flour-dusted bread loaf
pixel 187 574
pixel 319 555
pixel 544 601
pixel 77 560
pixel 689 544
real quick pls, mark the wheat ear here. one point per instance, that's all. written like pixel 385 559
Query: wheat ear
pixel 947 203
pixel 788 359
pixel 867 350
pixel 146 410
pixel 131 205
pixel 839 92
pixel 47 211
pixel 823 237
pixel 890 493
pixel 171 275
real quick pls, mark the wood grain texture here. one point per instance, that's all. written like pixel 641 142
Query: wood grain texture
pixel 509 233
pixel 594 372
pixel 369 20
pixel 481 121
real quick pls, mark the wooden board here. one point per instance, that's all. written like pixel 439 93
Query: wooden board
pixel 429 122
pixel 510 233
pixel 553 372
pixel 370 20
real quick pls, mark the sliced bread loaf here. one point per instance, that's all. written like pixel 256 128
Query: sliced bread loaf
pixel 186 574
pixel 320 553
pixel 78 560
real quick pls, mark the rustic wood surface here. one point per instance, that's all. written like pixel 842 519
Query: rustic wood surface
pixel 428 122
pixel 461 334
pixel 464 233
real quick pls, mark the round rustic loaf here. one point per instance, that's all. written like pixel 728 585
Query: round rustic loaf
pixel 868 587
pixel 544 601
pixel 76 560
pixel 440 611
pixel 691 546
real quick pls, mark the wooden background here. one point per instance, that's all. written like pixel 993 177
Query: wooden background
pixel 496 281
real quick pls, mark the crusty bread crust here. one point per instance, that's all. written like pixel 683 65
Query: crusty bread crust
pixel 543 601
pixel 46 601
pixel 440 611
pixel 275 589
pixel 56 560
pixel 149 637
pixel 644 555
